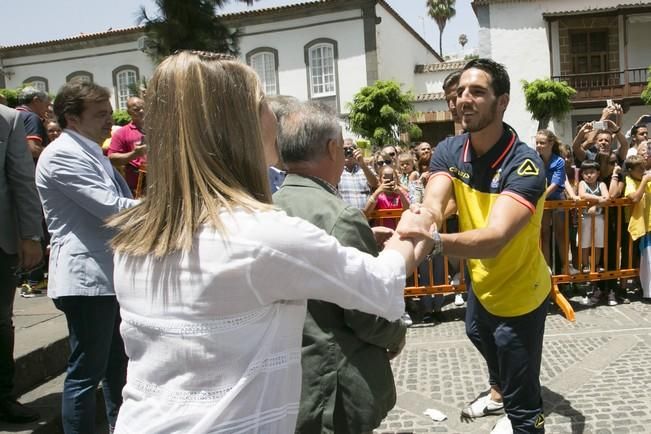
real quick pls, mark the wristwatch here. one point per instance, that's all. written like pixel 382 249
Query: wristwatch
pixel 438 243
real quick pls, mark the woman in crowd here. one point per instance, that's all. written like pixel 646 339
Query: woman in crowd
pixel 381 159
pixel 212 280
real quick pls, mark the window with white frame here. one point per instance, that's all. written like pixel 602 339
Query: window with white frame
pixel 126 82
pixel 39 83
pixel 82 76
pixel 321 61
pixel 264 64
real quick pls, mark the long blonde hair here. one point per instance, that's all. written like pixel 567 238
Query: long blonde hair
pixel 205 153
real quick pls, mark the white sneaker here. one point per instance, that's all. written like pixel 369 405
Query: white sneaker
pixel 482 406
pixel 585 301
pixel 456 279
pixel 503 426
pixel 572 270
pixel 458 299
pixel 406 319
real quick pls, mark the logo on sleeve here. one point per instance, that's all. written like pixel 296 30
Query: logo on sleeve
pixel 540 421
pixel 528 168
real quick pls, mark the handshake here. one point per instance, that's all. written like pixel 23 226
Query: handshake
pixel 416 224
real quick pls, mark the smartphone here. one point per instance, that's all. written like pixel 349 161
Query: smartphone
pixel 609 103
pixel 598 125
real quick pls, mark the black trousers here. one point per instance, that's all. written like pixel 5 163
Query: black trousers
pixel 7 293
pixel 512 348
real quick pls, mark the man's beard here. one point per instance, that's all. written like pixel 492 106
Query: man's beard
pixel 480 121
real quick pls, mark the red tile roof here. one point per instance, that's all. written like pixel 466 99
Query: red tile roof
pixel 235 15
pixel 425 97
pixel 454 65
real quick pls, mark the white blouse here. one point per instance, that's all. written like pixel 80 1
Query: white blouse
pixel 213 335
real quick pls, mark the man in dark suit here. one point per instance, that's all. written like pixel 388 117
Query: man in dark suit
pixel 20 245
pixel 348 385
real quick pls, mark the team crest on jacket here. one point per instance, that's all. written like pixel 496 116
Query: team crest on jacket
pixel 495 182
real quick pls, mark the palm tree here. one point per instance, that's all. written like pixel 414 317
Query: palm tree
pixel 188 24
pixel 463 40
pixel 441 11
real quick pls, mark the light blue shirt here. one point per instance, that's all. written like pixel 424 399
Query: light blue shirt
pixel 79 191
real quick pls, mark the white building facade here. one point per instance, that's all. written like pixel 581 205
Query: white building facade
pixel 600 48
pixel 325 50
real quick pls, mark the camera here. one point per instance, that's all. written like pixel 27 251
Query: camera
pixel 598 125
pixel 348 152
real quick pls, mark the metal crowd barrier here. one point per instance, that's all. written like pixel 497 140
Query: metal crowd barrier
pixel 571 211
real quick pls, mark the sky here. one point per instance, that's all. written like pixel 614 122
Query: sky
pixel 73 17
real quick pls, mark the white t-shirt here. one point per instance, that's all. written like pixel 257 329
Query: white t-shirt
pixel 214 335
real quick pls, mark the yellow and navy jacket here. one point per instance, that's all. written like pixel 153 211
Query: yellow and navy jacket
pixel 517 280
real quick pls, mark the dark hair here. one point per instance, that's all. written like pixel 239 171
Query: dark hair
pixel 500 81
pixel 451 80
pixel 73 96
pixel 635 128
pixel 590 164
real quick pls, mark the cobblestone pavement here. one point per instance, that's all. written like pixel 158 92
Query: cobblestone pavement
pixel 596 373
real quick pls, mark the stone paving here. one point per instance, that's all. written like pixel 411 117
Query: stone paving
pixel 596 373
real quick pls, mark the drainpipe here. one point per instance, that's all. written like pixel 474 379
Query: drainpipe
pixel 2 75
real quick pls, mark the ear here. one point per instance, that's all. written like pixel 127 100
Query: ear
pixel 333 149
pixel 503 101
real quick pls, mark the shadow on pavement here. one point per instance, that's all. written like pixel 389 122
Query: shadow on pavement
pixel 556 403
pixel 48 407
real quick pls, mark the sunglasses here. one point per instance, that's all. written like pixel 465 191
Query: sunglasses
pixel 384 162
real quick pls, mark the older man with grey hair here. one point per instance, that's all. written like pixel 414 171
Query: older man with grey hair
pixel 280 105
pixel 33 105
pixel 348 385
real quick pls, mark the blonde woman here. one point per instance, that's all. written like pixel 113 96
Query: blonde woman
pixel 212 280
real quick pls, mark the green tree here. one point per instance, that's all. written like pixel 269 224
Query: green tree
pixel 121 117
pixel 442 11
pixel 547 99
pixel 381 112
pixel 11 95
pixel 646 93
pixel 188 24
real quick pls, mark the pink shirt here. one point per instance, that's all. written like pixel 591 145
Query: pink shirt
pixel 125 140
pixel 388 201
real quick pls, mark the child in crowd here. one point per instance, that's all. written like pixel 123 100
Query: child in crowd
pixel 548 146
pixel 639 191
pixel 409 177
pixel 593 190
pixel 388 195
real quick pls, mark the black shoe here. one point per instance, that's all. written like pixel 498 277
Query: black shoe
pixel 13 411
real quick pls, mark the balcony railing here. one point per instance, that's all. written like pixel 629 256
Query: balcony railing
pixel 592 86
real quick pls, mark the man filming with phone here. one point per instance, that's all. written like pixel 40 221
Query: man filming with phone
pixel 357 180
pixel 128 149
